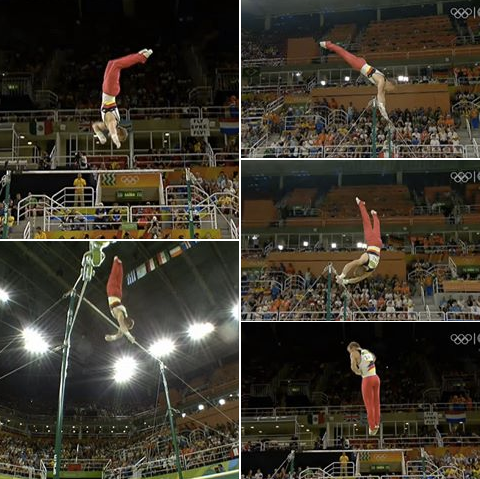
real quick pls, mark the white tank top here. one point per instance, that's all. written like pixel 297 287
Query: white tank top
pixel 367 363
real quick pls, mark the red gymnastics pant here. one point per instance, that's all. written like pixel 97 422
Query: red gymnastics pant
pixel 115 280
pixel 371 399
pixel 355 62
pixel 111 79
pixel 372 235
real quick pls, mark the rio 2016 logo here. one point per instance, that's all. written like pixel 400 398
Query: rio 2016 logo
pixel 464 13
pixel 462 339
pixel 465 176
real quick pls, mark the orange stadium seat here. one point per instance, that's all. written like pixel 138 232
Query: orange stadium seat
pixel 258 213
pixel 415 33
pixel 343 33
pixel 302 197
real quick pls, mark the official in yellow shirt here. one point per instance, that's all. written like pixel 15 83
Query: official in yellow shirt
pixel 79 184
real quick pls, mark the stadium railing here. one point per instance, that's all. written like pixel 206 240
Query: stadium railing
pixel 227 158
pixel 428 151
pixel 346 150
pixel 167 464
pixel 338 315
pixel 398 316
pixel 233 229
pixel 180 159
pixel 84 218
pixel 34 205
pixel 174 216
pixel 219 112
pixel 462 316
pixel 265 442
pixel 84 115
pixel 93 114
pixel 94 464
pixel 21 471
pixel 163 113
pixel 351 410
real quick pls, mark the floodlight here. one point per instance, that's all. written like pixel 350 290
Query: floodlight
pixel 200 330
pixel 124 369
pixel 4 296
pixel 34 343
pixel 163 347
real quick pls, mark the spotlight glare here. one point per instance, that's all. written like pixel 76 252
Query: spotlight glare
pixel 34 343
pixel 201 407
pixel 221 402
pixel 347 78
pixel 280 247
pixel 4 296
pixel 200 330
pixel 234 311
pixel 334 245
pixel 163 347
pixel 305 244
pixel 124 369
pixel 183 414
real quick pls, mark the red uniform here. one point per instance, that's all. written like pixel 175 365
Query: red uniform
pixel 371 399
pixel 111 79
pixel 355 62
pixel 370 387
pixel 114 284
pixel 372 235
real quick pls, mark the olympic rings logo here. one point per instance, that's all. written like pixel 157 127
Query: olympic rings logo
pixel 464 13
pixel 129 180
pixel 464 339
pixel 464 176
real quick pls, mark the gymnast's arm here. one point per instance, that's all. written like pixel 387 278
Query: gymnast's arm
pixel 354 365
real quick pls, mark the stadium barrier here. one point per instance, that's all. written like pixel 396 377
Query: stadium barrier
pixel 305 150
pixel 226 158
pixel 21 471
pixel 462 316
pixel 72 465
pixel 350 410
pixel 352 315
pixel 165 465
pixel 93 114
pixel 179 159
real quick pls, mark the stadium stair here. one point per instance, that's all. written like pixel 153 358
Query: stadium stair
pixel 18 231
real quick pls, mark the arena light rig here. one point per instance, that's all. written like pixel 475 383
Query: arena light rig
pixel 34 342
pixel 4 296
pixel 235 311
pixel 162 348
pixel 125 369
pixel 199 331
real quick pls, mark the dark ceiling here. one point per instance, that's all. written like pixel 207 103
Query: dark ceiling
pixel 289 7
pixel 297 343
pixel 356 167
pixel 201 284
